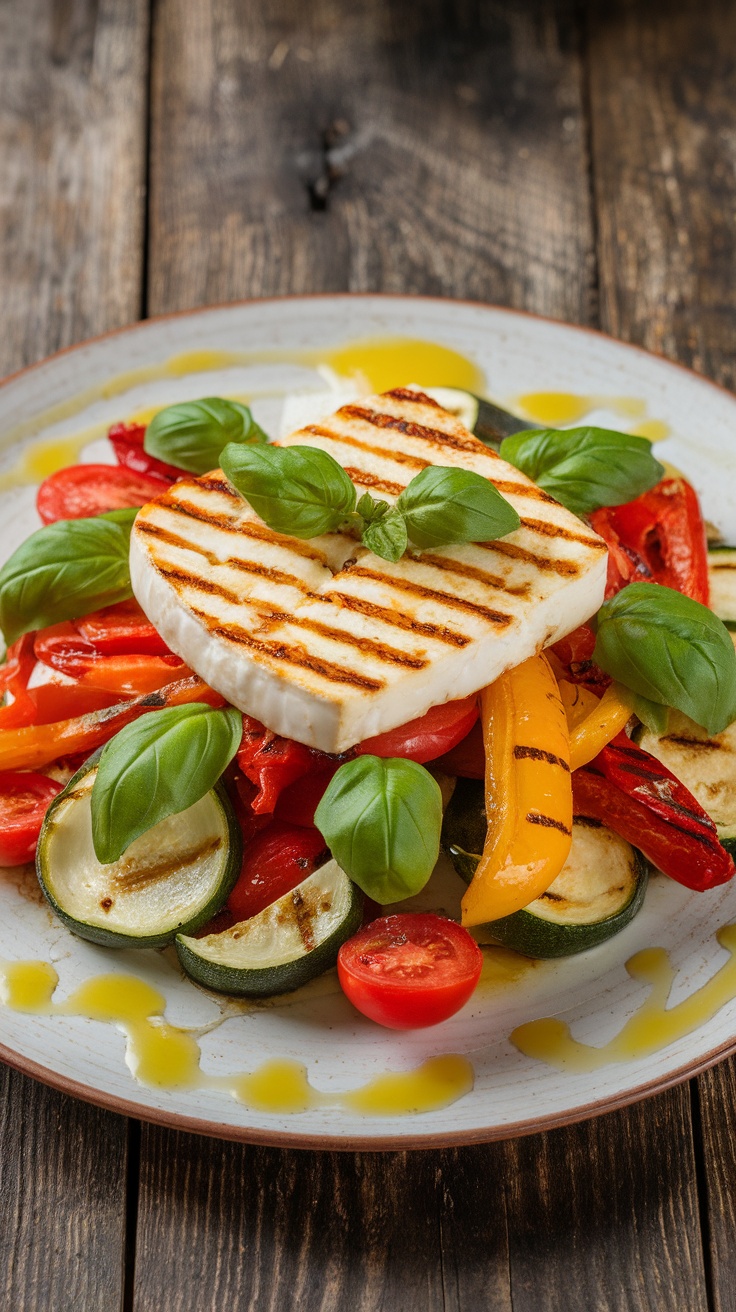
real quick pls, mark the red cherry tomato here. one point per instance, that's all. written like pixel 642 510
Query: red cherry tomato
pixel 410 970
pixel 24 800
pixel 85 490
pixel 274 862
pixel 127 443
pixel 427 737
pixel 468 759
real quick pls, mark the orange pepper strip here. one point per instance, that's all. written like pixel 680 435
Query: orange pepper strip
pixel 40 744
pixel 528 792
pixel 578 701
pixel 606 719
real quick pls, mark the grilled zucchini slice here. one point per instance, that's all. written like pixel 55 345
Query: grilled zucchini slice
pixel 597 893
pixel 175 877
pixel 706 766
pixel 285 945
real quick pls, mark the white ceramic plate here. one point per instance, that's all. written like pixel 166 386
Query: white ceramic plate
pixel 593 992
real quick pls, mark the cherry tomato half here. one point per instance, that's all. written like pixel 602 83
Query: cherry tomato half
pixel 85 490
pixel 410 970
pixel 275 861
pixel 427 737
pixel 24 800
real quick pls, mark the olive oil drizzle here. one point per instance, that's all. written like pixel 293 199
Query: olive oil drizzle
pixel 653 1025
pixel 163 1056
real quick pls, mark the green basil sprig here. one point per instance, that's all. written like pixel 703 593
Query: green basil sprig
pixel 443 505
pixel 156 767
pixel 303 491
pixel 192 434
pixel 671 650
pixel 66 569
pixel 585 468
pixel 382 820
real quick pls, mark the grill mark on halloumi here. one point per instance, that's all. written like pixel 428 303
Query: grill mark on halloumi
pixel 411 429
pixel 433 594
pixel 532 493
pixel 233 562
pixel 282 651
pixel 548 564
pixel 413 396
pixel 215 482
pixel 364 479
pixel 247 529
pixel 449 565
pixel 396 457
pixel 381 650
pixel 548 530
pixel 398 620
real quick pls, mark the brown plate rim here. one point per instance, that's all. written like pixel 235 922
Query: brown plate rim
pixel 362 1143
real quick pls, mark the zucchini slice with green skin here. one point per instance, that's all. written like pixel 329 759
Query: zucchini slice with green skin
pixel 175 877
pixel 722 580
pixel 285 945
pixel 489 422
pixel 597 893
pixel 707 766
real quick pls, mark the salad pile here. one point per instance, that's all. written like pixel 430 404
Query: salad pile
pixel 158 814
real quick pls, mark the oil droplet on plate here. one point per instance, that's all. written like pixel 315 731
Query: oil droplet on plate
pixel 653 1025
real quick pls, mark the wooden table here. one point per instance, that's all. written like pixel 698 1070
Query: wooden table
pixel 576 161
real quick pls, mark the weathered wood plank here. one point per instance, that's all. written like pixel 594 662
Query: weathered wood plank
pixel 604 1217
pixel 663 105
pixel 229 1226
pixel 396 147
pixel 62 1201
pixel 72 171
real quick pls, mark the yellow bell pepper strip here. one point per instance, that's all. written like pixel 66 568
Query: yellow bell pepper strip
pixel 578 701
pixel 605 720
pixel 528 792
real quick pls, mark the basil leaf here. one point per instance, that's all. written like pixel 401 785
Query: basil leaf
pixel 653 715
pixel 382 820
pixel 585 468
pixel 192 434
pixel 156 767
pixel 64 570
pixel 670 649
pixel 298 490
pixel 386 537
pixel 369 509
pixel 442 505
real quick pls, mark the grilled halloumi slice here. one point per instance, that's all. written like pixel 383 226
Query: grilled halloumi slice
pixel 325 642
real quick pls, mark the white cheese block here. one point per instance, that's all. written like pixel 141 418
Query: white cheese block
pixel 328 644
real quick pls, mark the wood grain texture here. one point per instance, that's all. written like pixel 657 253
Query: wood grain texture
pixel 380 145
pixel 227 1226
pixel 72 170
pixel 663 126
pixel 62 1201
pixel 603 1217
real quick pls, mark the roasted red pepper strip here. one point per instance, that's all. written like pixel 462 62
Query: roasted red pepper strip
pixel 631 792
pixel 665 528
pixel 127 443
pixel 14 676
pixel 272 762
pixel 40 744
pixel 624 564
